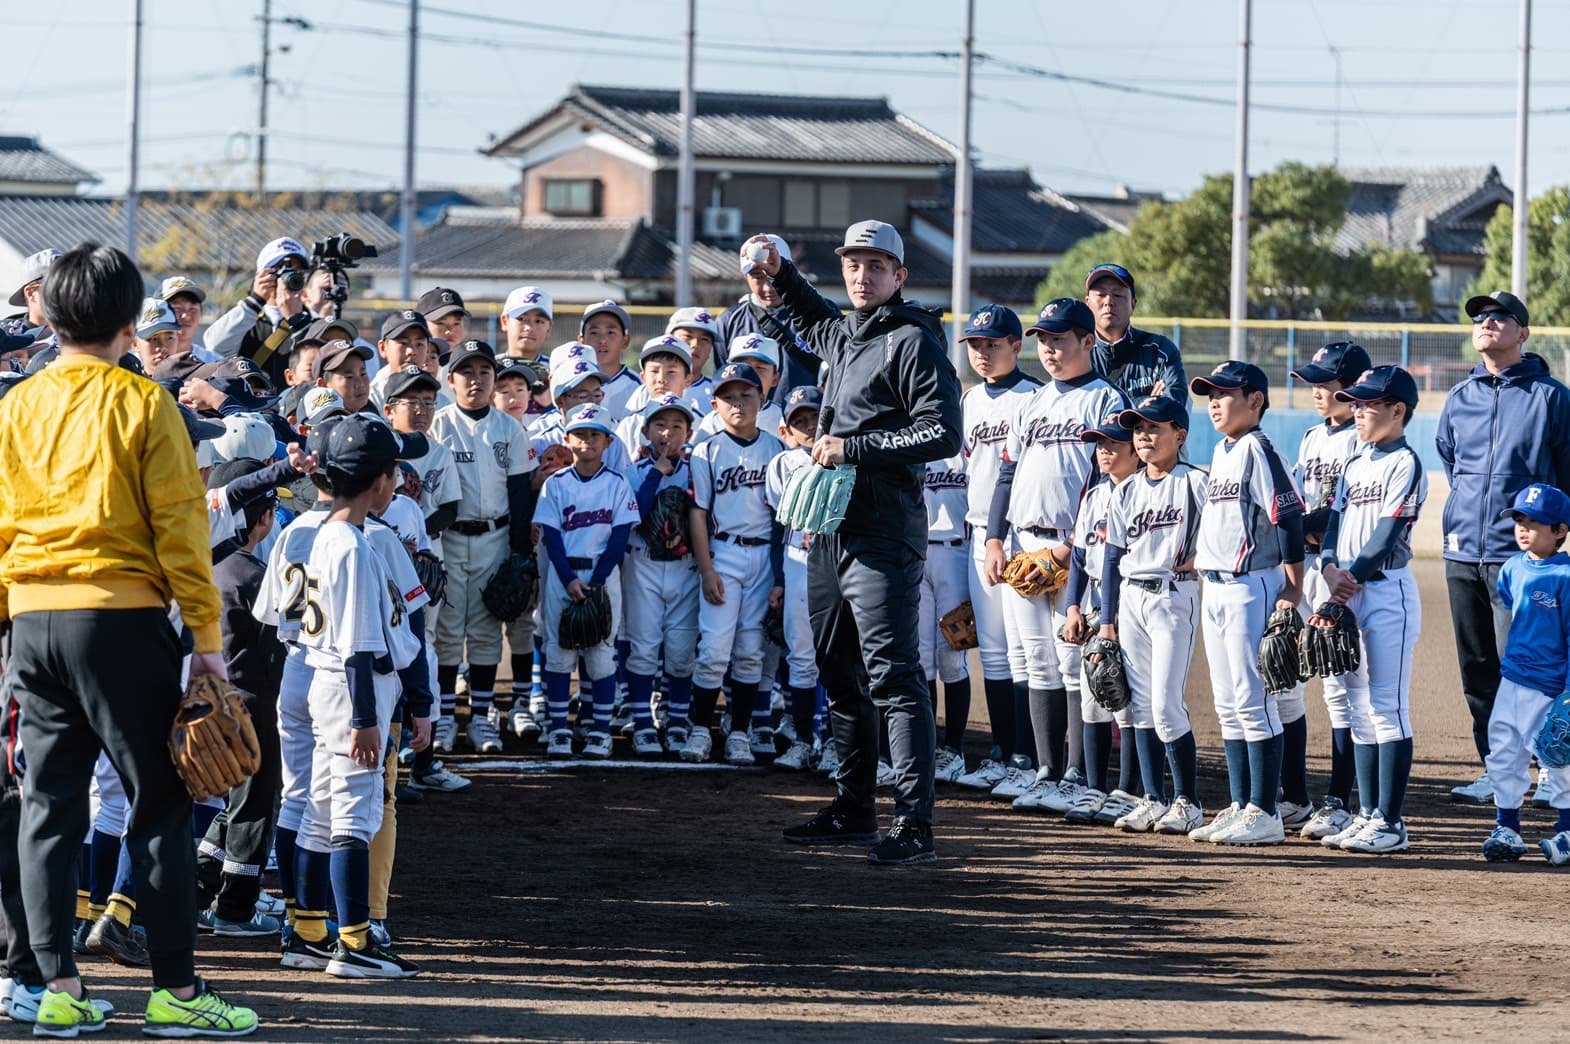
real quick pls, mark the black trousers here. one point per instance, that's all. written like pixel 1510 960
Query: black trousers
pixel 230 859
pixel 19 960
pixel 1482 625
pixel 863 594
pixel 106 678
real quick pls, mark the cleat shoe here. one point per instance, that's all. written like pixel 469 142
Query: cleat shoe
pixel 60 1015
pixel 699 746
pixel 763 743
pixel 1085 806
pixel 379 934
pixel 908 843
pixel 787 729
pixel 1331 817
pixel 1223 821
pixel 439 777
pixel 646 742
pixel 988 774
pixel 1143 818
pixel 373 962
pixel 560 745
pixel 79 936
pixel 1293 815
pixel 1556 849
pixel 829 759
pixel 494 715
pixel 675 738
pixel 258 925
pixel 483 737
pixel 1478 792
pixel 1015 782
pixel 1181 818
pixel 950 765
pixel 1352 830
pixel 738 750
pixel 1543 796
pixel 109 938
pixel 444 735
pixel 306 956
pixel 597 746
pixel 1503 846
pixel 1254 826
pixel 841 823
pixel 524 724
pixel 1043 795
pixel 407 795
pixel 885 774
pixel 539 709
pixel 270 904
pixel 1378 838
pixel 204 1015
pixel 1119 804
pixel 798 757
pixel 1070 786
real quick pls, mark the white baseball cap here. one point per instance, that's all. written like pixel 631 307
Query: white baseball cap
pixel 666 345
pixel 320 403
pixel 779 245
pixel 177 285
pixel 528 299
pixel 694 319
pixel 755 346
pixel 245 436
pixel 590 417
pixel 33 268
pixel 278 250
pixel 572 351
pixel 155 317
pixel 570 374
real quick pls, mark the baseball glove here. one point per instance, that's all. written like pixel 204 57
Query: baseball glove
pixel 1105 675
pixel 958 627
pixel 1331 644
pixel 213 742
pixel 1553 739
pixel 774 626
pixel 1092 625
pixel 555 457
pixel 509 593
pixel 1279 658
pixel 1035 573
pixel 432 574
pixel 816 498
pixel 664 528
pixel 587 623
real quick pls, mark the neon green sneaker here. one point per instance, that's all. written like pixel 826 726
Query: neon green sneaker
pixel 61 1015
pixel 204 1015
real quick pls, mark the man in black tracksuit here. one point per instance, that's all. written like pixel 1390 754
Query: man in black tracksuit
pixel 891 404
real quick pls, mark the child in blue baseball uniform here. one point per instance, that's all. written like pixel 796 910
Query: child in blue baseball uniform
pixel 1535 587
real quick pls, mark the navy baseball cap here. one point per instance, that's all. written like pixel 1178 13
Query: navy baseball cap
pixel 1498 301
pixel 360 446
pixel 463 351
pixel 1234 373
pixel 408 379
pixel 993 321
pixel 1062 315
pixel 1541 502
pixel 1157 409
pixel 808 397
pixel 734 372
pixel 1117 272
pixel 1343 361
pixel 438 302
pixel 1108 430
pixel 1382 382
pixel 199 428
pixel 398 322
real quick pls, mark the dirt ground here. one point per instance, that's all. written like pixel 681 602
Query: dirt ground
pixel 658 904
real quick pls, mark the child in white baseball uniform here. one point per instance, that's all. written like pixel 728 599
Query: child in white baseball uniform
pixel 945 585
pixel 1367 548
pixel 1045 474
pixel 799 432
pixel 740 554
pixel 1535 586
pixel 586 515
pixel 575 382
pixel 698 328
pixel 1150 603
pixel 512 395
pixel 1251 560
pixel 660 585
pixel 993 338
pixel 607 328
pixel 493 460
pixel 1321 458
pixel 665 365
pixel 763 355
pixel 527 319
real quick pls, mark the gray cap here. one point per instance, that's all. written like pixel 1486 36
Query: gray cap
pixel 33 268
pixel 874 235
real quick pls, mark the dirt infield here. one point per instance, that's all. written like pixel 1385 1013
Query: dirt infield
pixel 600 904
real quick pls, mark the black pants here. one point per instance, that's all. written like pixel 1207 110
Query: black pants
pixel 106 678
pixel 230 859
pixel 1482 625
pixel 863 594
pixel 19 960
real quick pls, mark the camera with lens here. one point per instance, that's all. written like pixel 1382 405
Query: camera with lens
pixel 293 279
pixel 336 255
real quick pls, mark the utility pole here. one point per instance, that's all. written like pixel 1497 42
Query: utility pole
pixel 406 228
pixel 962 196
pixel 1518 243
pixel 1237 344
pixel 261 115
pixel 1335 141
pixel 133 106
pixel 685 173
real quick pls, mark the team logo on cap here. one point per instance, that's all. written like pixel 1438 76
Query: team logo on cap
pixel 1049 311
pixel 532 297
pixel 752 341
pixel 1368 375
pixel 1219 370
pixel 1321 354
pixel 448 297
pixel 981 319
pixel 322 397
pixel 1532 493
pixel 703 317
pixel 411 315
pixel 670 400
pixel 411 370
pixel 151 314
pixel 588 411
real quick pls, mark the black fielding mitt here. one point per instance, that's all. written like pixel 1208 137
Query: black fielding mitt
pixel 587 623
pixel 510 592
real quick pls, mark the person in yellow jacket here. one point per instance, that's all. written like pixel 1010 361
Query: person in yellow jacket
pixel 102 524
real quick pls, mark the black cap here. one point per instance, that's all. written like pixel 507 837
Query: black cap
pixel 324 330
pixel 512 366
pixel 439 301
pixel 398 322
pixel 1108 270
pixel 1498 301
pixel 1382 382
pixel 198 429
pixel 733 373
pixel 1062 315
pixel 1234 373
pixel 360 446
pixel 463 351
pixel 1108 430
pixel 809 397
pixel 410 378
pixel 334 354
pixel 1157 409
pixel 237 366
pixel 1342 361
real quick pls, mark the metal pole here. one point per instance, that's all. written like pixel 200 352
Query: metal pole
pixel 1335 141
pixel 1237 343
pixel 962 197
pixel 261 115
pixel 1518 242
pixel 406 230
pixel 685 176
pixel 134 118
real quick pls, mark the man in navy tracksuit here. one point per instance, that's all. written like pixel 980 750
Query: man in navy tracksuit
pixel 1504 427
pixel 761 311
pixel 1138 362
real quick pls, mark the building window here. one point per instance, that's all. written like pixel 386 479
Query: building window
pixel 833 204
pixel 579 197
pixel 800 205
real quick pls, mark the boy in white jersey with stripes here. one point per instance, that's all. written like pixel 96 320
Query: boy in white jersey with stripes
pixel 607 328
pixel 945 584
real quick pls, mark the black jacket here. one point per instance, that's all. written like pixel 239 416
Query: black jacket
pixel 252 651
pixel 890 392
pixel 798 366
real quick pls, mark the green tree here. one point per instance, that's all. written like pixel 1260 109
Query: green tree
pixel 1547 256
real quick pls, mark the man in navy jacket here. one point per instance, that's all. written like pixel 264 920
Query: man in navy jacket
pixel 1504 427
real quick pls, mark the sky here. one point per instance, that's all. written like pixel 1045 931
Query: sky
pixel 1147 102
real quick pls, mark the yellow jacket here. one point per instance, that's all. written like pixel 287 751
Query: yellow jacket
pixel 101 505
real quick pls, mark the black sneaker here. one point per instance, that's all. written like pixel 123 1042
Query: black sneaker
pixel 373 962
pixel 79 936
pixel 306 956
pixel 908 843
pixel 109 938
pixel 407 795
pixel 839 824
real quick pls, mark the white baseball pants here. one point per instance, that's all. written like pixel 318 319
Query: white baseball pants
pixel 945 584
pixel 1156 630
pixel 1234 612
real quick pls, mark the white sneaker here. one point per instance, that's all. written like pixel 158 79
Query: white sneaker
pixel 987 775
pixel 1033 795
pixel 1253 827
pixel 646 742
pixel 699 745
pixel 1293 815
pixel 560 745
pixel 829 758
pixel 738 750
pixel 439 777
pixel 1181 818
pixel 1479 792
pixel 798 757
pixel 1378 838
pixel 1503 846
pixel 270 905
pixel 1352 830
pixel 1015 782
pixel 597 746
pixel 538 707
pixel 675 738
pixel 1070 787
pixel 885 774
pixel 494 715
pixel 762 740
pixel 1556 849
pixel 1331 817
pixel 1086 804
pixel 524 724
pixel 1145 816
pixel 1224 819
pixel 483 736
pixel 444 735
pixel 950 765
pixel 787 729
pixel 1119 803
pixel 23 1005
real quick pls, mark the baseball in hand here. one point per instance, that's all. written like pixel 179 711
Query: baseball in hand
pixel 757 251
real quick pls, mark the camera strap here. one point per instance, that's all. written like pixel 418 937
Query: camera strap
pixel 274 341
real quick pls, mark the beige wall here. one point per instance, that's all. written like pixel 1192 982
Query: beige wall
pixel 625 191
